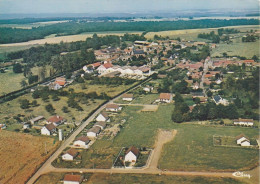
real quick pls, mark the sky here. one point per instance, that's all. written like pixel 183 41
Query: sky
pixel 118 6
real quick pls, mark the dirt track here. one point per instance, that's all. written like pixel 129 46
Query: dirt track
pixel 162 138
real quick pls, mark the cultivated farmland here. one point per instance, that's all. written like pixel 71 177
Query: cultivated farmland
pixel 21 154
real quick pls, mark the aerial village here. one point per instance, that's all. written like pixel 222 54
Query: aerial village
pixel 202 79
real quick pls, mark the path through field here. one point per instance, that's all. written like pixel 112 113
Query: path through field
pixel 163 137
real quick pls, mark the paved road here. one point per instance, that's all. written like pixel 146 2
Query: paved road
pixel 47 167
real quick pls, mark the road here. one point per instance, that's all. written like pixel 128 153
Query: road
pixel 151 168
pixel 205 70
pixel 47 167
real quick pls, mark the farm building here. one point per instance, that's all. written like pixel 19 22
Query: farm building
pixel 70 154
pixel 131 154
pixel 48 129
pixel 245 122
pixel 93 132
pixel 127 97
pixel 72 179
pixel 103 117
pixel 82 142
pixel 36 119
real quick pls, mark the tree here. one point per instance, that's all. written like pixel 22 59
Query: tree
pixel 255 58
pixel 49 108
pixel 55 97
pixel 17 68
pixel 24 104
pixel 65 109
pixel 23 83
pixel 196 100
pixel 34 103
pixel 209 94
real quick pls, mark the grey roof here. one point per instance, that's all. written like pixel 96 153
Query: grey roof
pixel 95 129
pixel 100 123
pixel 217 98
pixel 139 52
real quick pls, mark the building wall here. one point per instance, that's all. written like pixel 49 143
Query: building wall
pixel 45 131
pixel 67 157
pixel 130 157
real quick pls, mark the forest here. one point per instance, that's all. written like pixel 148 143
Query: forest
pixel 14 35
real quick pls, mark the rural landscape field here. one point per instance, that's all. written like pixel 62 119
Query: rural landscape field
pixel 149 92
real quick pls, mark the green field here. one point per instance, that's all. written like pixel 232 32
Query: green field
pixel 53 178
pixel 10 81
pixel 246 49
pixel 192 149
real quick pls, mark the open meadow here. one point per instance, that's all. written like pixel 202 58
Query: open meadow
pixel 192 34
pixel 70 38
pixel 21 154
pixel 98 178
pixel 191 150
pixel 10 81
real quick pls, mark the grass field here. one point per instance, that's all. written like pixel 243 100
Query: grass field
pixel 192 34
pixel 70 38
pixel 21 154
pixel 10 81
pixel 246 49
pixel 192 149
pixel 54 178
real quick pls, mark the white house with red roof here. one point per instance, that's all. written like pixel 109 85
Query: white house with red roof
pixel 131 154
pixel 48 129
pixel 105 68
pixel 82 142
pixel 72 179
pixel 56 120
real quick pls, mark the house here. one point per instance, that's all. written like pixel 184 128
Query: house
pixel 100 124
pixel 61 81
pixel 138 53
pixel 165 97
pixel 131 154
pixel 70 154
pixel 243 140
pixel 113 107
pixel 127 97
pixel 246 122
pixel 148 88
pixel 54 86
pixel 48 129
pixel 72 179
pixel 245 143
pixel 93 132
pixel 103 117
pixel 82 142
pixel 56 120
pixel 219 100
pixel 104 68
pixel 36 119
pixel 26 126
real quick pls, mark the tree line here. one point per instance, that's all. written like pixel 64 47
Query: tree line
pixel 14 35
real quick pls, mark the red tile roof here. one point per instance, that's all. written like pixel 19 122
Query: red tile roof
pixel 126 95
pixel 70 177
pixel 83 138
pixel 107 65
pixel 112 106
pixel 72 152
pixel 134 150
pixel 50 127
pixel 95 65
pixel 166 96
pixel 55 119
